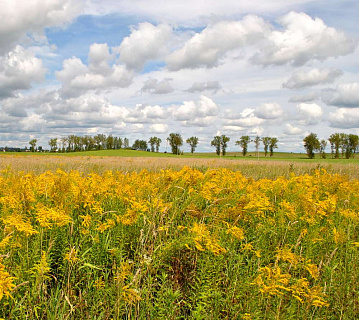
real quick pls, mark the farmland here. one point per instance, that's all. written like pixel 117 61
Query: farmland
pixel 87 237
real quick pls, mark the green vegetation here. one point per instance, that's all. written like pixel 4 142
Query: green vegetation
pixel 187 244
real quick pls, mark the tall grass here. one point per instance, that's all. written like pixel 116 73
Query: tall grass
pixel 177 244
pixel 249 168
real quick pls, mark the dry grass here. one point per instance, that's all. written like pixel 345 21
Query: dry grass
pixel 250 168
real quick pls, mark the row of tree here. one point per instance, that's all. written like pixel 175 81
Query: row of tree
pixel 342 144
pixel 221 143
pixel 73 143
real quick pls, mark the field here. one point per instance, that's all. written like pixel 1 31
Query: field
pixel 86 237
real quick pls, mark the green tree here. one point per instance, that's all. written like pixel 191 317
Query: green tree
pixel 216 142
pixel 33 144
pixel 335 142
pixel 311 144
pixel 243 143
pixel 344 144
pixel 323 144
pixel 158 143
pixel 272 145
pixel 224 144
pixel 193 142
pixel 110 142
pixel 175 140
pixel 126 143
pixel 53 144
pixel 266 143
pixel 353 144
pixel 257 141
pixel 64 144
pixel 140 145
pixel 152 142
pixel 118 142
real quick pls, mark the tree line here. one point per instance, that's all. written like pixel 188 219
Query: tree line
pixel 341 145
pixel 73 143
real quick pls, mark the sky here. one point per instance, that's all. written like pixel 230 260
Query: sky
pixel 143 68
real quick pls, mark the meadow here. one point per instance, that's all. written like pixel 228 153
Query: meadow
pixel 87 237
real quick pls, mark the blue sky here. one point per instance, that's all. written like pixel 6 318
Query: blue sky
pixel 138 69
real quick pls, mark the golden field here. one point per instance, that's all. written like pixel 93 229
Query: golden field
pixel 85 238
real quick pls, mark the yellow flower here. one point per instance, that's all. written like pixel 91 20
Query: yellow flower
pixel 42 269
pixel 99 283
pixel 236 232
pixel 6 282
pixel 71 256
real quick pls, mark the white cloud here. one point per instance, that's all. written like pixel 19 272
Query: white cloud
pixel 146 114
pixel 205 50
pixel 269 111
pixel 291 130
pixel 33 123
pixel 204 86
pixel 157 87
pixel 19 69
pixel 345 95
pixel 159 128
pixel 247 118
pixel 303 39
pixel 257 131
pixel 307 78
pixel 189 12
pixel 137 127
pixel 147 42
pixel 19 105
pixel 78 78
pixel 201 114
pixel 233 128
pixel 310 113
pixel 22 17
pixel 344 118
pixel 99 57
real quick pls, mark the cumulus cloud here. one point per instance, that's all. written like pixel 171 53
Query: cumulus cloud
pixel 146 114
pixel 307 78
pixel 257 131
pixel 19 105
pixel 205 50
pixel 269 111
pixel 99 57
pixel 77 78
pixel 310 113
pixel 345 95
pixel 33 123
pixel 147 42
pixel 246 119
pixel 157 87
pixel 159 128
pixel 19 69
pixel 20 18
pixel 307 97
pixel 204 86
pixel 233 128
pixel 84 112
pixel 201 114
pixel 344 118
pixel 53 112
pixel 292 130
pixel 303 39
